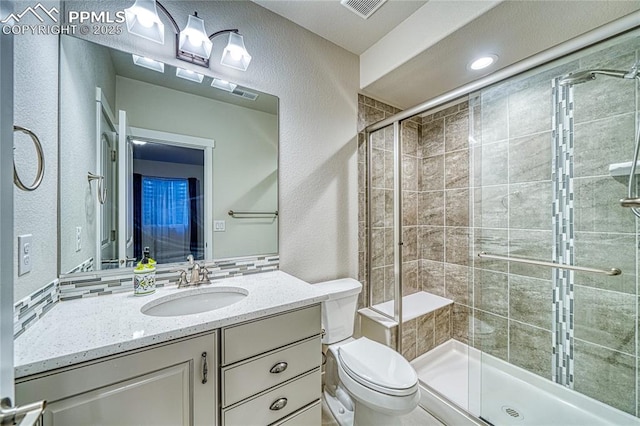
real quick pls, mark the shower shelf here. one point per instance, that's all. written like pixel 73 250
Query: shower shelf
pixel 623 169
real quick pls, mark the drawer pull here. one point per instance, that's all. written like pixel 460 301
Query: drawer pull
pixel 205 369
pixel 279 367
pixel 278 404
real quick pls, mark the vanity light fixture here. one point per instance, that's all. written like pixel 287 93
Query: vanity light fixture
pixel 143 20
pixel 223 85
pixel 193 39
pixel 192 43
pixel 141 61
pixel 483 62
pixel 189 75
pixel 235 55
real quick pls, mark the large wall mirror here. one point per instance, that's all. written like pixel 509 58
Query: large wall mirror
pixel 154 156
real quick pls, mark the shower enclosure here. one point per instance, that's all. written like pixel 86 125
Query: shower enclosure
pixel 505 198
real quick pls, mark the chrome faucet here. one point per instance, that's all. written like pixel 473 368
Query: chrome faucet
pixel 194 278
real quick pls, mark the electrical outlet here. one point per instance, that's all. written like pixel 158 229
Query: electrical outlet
pixel 78 238
pixel 218 225
pixel 25 257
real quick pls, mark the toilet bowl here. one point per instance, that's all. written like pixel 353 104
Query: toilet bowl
pixel 366 383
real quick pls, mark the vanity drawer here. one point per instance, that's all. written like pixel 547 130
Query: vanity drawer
pixel 249 378
pixel 311 415
pixel 264 409
pixel 246 340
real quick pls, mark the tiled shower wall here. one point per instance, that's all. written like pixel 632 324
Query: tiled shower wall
pixel 483 174
pixel 512 158
pixel 423 217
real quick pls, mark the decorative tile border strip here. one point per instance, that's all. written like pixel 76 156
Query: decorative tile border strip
pixel 101 284
pixel 563 227
pixel 86 266
pixel 29 310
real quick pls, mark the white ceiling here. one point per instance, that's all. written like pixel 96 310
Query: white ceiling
pixel 514 30
pixel 330 20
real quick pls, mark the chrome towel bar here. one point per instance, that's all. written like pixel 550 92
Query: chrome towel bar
pixel 101 188
pixel 610 272
pixel 630 202
pixel 247 215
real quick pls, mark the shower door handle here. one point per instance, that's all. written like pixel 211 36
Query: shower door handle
pixel 630 202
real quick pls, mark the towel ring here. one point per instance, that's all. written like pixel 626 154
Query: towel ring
pixel 101 187
pixel 38 180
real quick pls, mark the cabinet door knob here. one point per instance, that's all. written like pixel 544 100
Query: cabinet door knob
pixel 278 404
pixel 279 367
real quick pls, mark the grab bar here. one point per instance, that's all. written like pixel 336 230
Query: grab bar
pixel 610 272
pixel 239 215
pixel 38 180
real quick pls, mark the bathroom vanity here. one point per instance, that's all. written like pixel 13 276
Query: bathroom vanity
pixel 256 361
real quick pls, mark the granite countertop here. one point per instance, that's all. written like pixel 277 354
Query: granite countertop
pixel 86 329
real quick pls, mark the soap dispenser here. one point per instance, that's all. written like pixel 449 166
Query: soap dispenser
pixel 144 275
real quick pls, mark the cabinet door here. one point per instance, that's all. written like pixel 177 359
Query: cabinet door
pixel 160 386
pixel 158 398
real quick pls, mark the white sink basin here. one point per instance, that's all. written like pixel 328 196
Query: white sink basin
pixel 194 301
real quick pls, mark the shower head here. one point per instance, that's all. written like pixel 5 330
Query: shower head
pixel 588 75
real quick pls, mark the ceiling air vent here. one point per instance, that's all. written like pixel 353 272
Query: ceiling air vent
pixel 362 8
pixel 245 94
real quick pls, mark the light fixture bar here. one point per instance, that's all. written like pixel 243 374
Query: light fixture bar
pixel 192 43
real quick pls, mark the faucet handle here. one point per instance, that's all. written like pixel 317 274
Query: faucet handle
pixel 182 279
pixel 204 275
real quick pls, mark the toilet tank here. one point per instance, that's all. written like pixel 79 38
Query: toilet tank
pixel 339 311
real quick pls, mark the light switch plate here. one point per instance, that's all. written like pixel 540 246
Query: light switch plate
pixel 25 256
pixel 219 225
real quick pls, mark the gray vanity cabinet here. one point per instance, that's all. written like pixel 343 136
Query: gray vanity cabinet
pixel 162 385
pixel 267 371
pixel 270 370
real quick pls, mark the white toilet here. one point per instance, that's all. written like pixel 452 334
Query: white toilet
pixel 366 383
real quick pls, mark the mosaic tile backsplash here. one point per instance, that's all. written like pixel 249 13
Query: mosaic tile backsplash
pixel 30 309
pixel 72 287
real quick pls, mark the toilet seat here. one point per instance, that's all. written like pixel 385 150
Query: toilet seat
pixel 378 367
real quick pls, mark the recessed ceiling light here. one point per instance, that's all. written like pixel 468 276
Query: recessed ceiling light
pixel 138 142
pixel 483 62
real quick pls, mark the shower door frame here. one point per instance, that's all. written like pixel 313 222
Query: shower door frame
pixel 617 27
pixel 397 227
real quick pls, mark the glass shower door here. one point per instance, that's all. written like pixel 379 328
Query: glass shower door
pixel 548 174
pixel 382 175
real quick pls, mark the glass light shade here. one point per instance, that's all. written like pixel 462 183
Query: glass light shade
pixel 189 75
pixel 235 55
pixel 194 39
pixel 143 20
pixel 223 85
pixel 141 61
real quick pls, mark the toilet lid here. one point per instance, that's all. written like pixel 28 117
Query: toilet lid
pixel 372 363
